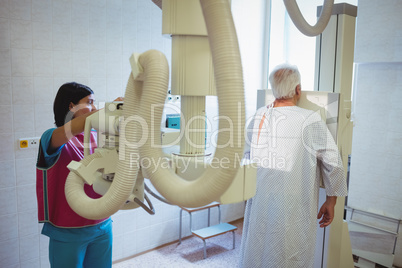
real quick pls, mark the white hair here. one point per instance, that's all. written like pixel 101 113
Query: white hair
pixel 284 80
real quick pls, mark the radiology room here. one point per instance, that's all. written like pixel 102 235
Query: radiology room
pixel 156 133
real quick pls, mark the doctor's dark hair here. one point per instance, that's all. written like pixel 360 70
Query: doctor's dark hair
pixel 68 93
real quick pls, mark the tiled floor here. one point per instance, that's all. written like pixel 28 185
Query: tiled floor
pixel 190 253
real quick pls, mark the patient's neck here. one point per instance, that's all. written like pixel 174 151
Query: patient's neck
pixel 285 102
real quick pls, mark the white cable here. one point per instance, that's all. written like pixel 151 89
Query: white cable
pixel 301 23
pixel 229 82
pixel 144 100
pixel 125 177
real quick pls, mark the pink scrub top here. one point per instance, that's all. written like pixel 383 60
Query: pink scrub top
pixel 51 176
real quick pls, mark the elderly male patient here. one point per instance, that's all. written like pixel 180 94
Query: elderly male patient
pixel 291 146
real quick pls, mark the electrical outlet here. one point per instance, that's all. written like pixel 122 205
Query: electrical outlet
pixel 29 143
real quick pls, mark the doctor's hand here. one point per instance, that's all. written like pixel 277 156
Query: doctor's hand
pixel 327 211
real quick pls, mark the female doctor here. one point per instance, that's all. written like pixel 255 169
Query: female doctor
pixel 74 241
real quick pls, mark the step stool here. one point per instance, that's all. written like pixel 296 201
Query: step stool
pixel 215 230
pixel 209 231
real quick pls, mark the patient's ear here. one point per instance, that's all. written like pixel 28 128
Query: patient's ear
pixel 298 89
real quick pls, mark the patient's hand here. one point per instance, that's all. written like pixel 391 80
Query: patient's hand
pixel 327 211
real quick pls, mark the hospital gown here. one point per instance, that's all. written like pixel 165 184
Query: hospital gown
pixel 292 147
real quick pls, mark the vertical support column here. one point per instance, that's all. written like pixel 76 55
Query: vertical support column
pixel 334 72
pixel 192 125
pixel 192 69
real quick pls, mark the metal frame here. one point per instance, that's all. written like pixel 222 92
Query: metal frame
pixel 192 210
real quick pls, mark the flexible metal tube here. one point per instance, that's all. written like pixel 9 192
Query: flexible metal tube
pixel 143 105
pixel 126 174
pixel 229 80
pixel 301 23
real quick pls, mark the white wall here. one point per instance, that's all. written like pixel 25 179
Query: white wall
pixel 376 174
pixel 43 44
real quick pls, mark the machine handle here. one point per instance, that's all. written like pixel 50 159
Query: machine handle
pixel 151 209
